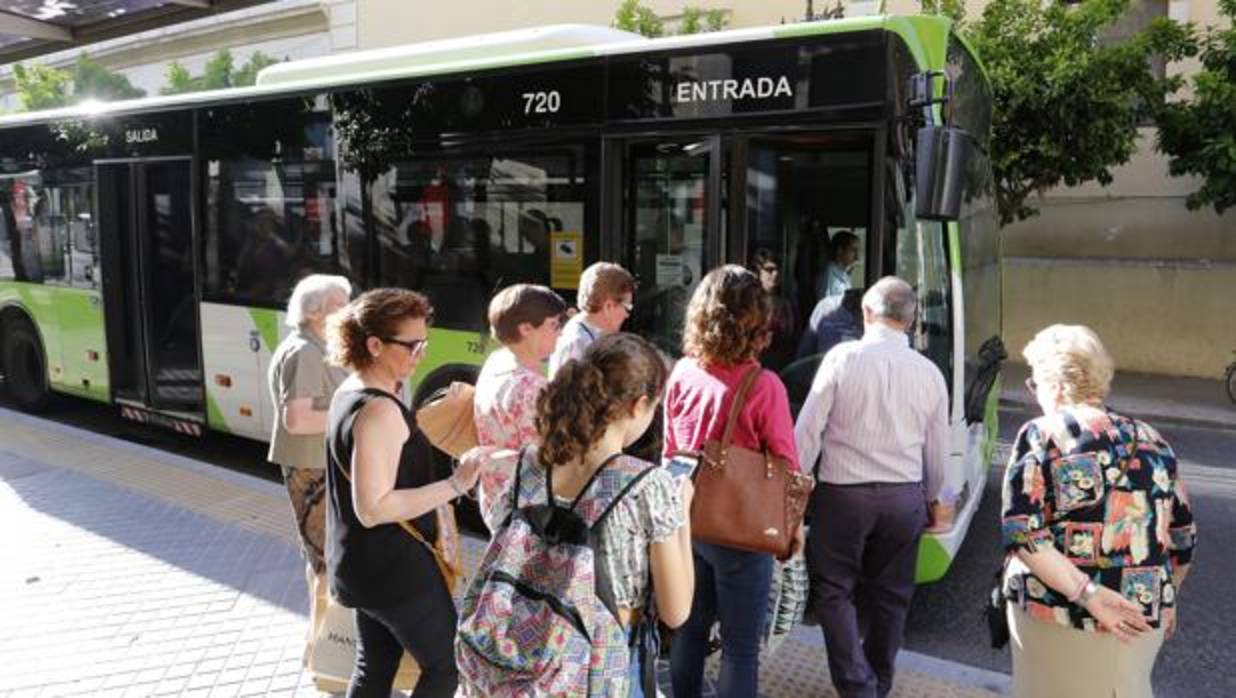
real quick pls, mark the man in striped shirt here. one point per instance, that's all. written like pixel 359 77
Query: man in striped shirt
pixel 877 417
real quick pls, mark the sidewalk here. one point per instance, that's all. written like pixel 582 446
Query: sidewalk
pixel 1189 402
pixel 134 572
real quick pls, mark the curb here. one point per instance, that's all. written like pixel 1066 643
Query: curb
pixel 1151 417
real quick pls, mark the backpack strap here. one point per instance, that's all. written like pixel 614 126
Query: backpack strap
pixel 624 478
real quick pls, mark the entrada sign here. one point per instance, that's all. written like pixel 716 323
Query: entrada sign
pixel 732 89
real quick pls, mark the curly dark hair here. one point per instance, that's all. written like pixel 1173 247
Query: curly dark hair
pixel 590 392
pixel 375 313
pixel 727 318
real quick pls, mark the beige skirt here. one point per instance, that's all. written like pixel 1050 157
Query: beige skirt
pixel 1052 661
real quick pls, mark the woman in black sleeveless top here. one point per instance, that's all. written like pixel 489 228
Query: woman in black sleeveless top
pixel 378 474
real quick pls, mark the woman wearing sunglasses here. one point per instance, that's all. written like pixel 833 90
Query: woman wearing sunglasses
pixel 382 498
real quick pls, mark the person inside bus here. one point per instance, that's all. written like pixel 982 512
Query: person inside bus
pixel 380 475
pixel 783 319
pixel 262 261
pixel 1097 528
pixel 301 385
pixel 526 320
pixel 843 255
pixel 726 330
pixel 605 298
pixel 834 320
pixel 877 417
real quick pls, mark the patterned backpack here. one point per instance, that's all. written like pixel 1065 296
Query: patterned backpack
pixel 539 617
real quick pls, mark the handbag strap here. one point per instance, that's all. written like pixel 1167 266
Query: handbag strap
pixel 740 400
pixel 450 572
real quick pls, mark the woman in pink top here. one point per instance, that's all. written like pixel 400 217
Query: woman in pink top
pixel 526 319
pixel 726 330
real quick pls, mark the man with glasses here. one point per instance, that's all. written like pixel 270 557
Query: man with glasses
pixel 606 293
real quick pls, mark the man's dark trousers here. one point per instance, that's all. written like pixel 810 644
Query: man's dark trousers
pixel 864 534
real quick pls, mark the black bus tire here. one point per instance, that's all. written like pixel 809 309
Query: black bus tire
pixel 25 366
pixel 467 513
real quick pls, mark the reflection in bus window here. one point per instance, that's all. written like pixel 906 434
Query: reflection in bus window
pixel 668 198
pixel 460 229
pixel 270 217
pixel 922 260
pixel 18 198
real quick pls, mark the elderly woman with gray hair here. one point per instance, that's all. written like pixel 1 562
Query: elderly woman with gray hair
pixel 1097 529
pixel 301 385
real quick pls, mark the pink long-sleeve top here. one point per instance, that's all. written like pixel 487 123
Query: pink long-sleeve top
pixel 697 403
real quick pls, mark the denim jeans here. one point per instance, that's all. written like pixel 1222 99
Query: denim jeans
pixel 730 586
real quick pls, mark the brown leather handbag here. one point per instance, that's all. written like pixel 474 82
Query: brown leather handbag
pixel 745 499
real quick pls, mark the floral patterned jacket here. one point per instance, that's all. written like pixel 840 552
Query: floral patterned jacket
pixel 1119 512
pixel 504 408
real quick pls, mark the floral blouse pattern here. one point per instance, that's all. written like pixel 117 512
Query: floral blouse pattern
pixel 1122 517
pixel 504 408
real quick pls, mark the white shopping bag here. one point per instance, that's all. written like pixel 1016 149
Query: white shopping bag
pixel 332 651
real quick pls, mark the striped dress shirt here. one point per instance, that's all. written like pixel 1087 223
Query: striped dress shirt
pixel 877 412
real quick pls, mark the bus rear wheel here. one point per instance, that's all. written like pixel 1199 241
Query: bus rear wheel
pixel 25 366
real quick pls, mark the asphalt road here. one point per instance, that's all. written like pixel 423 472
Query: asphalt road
pixel 946 620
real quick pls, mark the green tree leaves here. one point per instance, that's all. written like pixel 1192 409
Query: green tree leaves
pixel 1198 132
pixel 45 87
pixel 219 73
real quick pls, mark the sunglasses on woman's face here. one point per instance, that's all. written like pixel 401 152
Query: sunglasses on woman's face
pixel 416 346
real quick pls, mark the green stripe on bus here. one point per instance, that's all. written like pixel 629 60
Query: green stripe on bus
pixel 954 246
pixel 214 415
pixel 933 560
pixel 267 323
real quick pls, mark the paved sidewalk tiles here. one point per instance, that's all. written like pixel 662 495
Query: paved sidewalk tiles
pixel 133 572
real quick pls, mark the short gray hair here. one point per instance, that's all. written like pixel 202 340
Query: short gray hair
pixel 893 299
pixel 1073 358
pixel 310 294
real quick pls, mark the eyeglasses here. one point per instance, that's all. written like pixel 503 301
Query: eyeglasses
pixel 416 346
pixel 770 269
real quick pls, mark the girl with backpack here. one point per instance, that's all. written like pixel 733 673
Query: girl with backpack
pixel 590 545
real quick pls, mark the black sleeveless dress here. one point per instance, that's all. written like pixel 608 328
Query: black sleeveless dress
pixel 381 566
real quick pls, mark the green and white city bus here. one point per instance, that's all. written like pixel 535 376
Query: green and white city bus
pixel 147 247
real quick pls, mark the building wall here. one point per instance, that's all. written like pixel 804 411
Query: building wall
pixel 290 29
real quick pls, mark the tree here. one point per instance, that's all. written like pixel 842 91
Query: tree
pixel 634 17
pixel 93 81
pixel 46 87
pixel 1199 133
pixel 1067 102
pixel 41 86
pixel 219 73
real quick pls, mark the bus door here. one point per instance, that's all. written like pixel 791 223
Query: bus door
pixel 146 230
pixel 805 225
pixel 668 209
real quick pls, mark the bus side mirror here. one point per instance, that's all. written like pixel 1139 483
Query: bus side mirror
pixel 942 156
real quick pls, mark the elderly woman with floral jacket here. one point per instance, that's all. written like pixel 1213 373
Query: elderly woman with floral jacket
pixel 1098 530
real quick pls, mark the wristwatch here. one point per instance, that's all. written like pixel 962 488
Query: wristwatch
pixel 1087 592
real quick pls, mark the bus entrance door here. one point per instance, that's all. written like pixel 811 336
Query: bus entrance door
pixel 148 283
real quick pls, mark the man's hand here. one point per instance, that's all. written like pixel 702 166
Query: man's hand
pixel 940 516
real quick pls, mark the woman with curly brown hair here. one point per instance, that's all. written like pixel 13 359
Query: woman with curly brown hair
pixel 595 407
pixel 379 476
pixel 726 330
